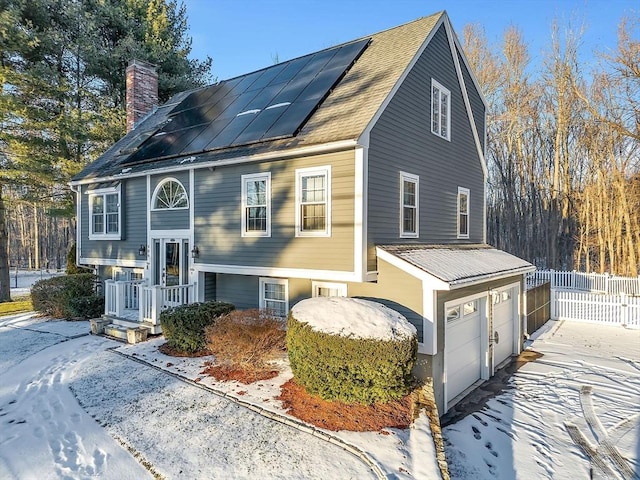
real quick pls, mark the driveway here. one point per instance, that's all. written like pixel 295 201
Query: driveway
pixel 71 408
pixel 571 411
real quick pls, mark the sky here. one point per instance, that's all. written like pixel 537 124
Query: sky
pixel 242 36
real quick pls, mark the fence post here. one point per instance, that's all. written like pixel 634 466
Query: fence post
pixel 624 309
pixel 554 308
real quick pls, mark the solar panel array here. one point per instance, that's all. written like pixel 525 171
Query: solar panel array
pixel 271 103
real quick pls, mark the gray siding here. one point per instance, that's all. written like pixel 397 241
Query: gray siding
pixel 171 219
pixel 241 290
pixel 134 224
pixel 402 140
pixel 477 105
pixel 218 206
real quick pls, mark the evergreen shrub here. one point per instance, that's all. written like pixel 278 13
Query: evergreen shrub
pixel 348 369
pixel 68 296
pixel 183 326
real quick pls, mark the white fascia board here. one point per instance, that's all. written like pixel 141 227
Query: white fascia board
pixel 455 284
pixel 465 96
pixel 113 262
pixel 400 81
pixel 279 154
pixel 432 282
pixel 330 275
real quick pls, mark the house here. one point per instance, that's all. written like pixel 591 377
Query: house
pixel 357 170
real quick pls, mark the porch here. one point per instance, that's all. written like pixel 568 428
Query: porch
pixel 135 304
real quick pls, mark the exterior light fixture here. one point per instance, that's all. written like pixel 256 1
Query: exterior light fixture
pixel 142 251
pixel 195 253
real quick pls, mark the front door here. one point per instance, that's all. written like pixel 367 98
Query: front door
pixel 170 261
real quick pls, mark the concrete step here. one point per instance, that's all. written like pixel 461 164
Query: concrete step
pixel 126 323
pixel 134 334
pixel 116 331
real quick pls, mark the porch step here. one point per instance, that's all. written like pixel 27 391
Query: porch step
pixel 126 323
pixel 128 334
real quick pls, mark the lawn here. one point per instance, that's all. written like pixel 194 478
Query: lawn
pixel 19 304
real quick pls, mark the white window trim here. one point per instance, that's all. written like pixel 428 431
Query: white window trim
pixel 102 192
pixel 256 176
pixel 408 177
pixel 466 191
pixel 341 287
pixel 304 172
pixel 157 190
pixel 441 89
pixel 278 281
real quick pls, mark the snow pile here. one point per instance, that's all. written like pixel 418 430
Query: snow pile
pixel 353 317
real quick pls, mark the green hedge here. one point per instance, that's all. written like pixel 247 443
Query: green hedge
pixel 68 296
pixel 183 327
pixel 352 370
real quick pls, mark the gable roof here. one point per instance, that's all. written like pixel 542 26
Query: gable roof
pixel 344 115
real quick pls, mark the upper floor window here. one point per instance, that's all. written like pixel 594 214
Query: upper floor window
pixel 105 212
pixel 274 296
pixel 463 212
pixel 256 205
pixel 409 196
pixel 169 194
pixel 313 202
pixel 440 108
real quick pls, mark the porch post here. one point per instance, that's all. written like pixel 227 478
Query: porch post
pixel 120 300
pixel 156 304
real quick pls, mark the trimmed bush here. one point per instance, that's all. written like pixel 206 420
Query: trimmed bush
pixel 183 326
pixel 347 368
pixel 246 338
pixel 68 296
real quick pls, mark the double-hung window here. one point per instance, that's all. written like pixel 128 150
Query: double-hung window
pixel 409 198
pixel 274 296
pixel 440 110
pixel 256 205
pixel 463 212
pixel 313 202
pixel 105 213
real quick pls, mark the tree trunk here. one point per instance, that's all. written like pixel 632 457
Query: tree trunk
pixel 5 288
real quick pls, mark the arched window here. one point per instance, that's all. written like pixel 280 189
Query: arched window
pixel 169 194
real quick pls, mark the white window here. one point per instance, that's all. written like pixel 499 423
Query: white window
pixel 470 307
pixel 453 313
pixel 274 296
pixel 256 205
pixel 169 195
pixel 463 212
pixel 440 108
pixel 326 289
pixel 313 202
pixel 105 213
pixel 409 213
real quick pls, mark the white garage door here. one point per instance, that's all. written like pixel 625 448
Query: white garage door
pixel 503 324
pixel 462 347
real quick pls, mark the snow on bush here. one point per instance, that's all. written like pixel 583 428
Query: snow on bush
pixel 351 350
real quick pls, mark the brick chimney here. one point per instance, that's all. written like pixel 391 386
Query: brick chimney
pixel 142 91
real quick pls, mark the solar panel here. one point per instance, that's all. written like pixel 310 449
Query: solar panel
pixel 264 105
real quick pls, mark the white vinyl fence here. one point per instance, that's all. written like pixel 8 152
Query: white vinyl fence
pixel 595 307
pixel 586 282
pixel 591 297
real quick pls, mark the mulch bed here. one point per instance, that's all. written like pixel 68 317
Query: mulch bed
pixel 226 373
pixel 342 416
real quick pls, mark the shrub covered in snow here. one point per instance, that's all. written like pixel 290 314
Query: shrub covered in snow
pixel 246 338
pixel 68 296
pixel 351 350
pixel 183 326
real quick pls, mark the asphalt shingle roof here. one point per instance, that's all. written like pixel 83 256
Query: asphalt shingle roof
pixel 459 264
pixel 344 114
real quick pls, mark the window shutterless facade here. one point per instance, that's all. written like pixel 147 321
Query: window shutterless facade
pixel 440 110
pixel 313 202
pixel 256 205
pixel 409 209
pixel 274 296
pixel 105 214
pixel 463 212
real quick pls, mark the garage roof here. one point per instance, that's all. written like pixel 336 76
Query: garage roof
pixel 460 265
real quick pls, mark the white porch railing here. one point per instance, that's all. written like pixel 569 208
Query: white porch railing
pixel 586 282
pixel 155 299
pixel 595 307
pixel 122 297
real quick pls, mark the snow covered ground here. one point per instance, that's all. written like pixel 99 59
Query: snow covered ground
pixel 22 282
pixel 76 406
pixel 572 414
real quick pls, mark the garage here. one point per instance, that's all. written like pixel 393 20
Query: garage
pixel 504 323
pixel 463 350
